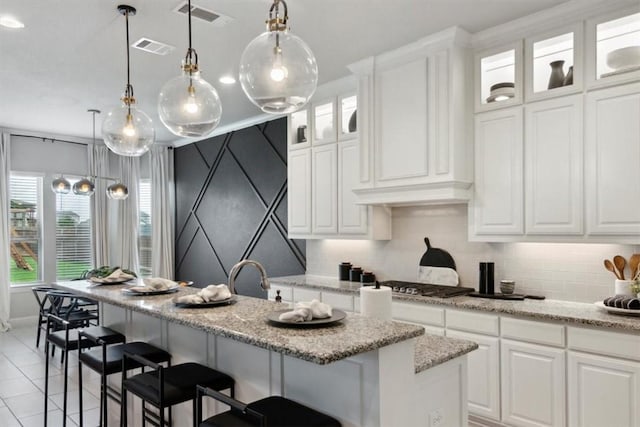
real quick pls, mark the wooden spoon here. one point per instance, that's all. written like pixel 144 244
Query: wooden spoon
pixel 609 266
pixel 620 263
pixel 634 264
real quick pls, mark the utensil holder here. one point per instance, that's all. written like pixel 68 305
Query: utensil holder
pixel 623 287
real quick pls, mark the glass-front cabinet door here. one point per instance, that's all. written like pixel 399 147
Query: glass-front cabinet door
pixel 347 116
pixel 324 122
pixel 614 56
pixel 553 63
pixel 299 129
pixel 498 77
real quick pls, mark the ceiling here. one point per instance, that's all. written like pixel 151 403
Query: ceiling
pixel 71 54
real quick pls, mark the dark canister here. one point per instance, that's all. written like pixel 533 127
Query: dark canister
pixel 490 277
pixel 485 282
pixel 355 273
pixel 368 278
pixel 343 270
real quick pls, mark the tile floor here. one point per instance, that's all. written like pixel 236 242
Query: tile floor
pixel 22 373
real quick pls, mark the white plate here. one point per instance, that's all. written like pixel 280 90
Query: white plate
pixel 616 310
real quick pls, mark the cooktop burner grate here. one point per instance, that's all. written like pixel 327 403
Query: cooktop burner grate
pixel 426 290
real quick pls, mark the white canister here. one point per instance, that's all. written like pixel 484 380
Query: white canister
pixel 623 287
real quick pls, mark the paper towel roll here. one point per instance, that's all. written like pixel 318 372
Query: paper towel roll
pixel 376 302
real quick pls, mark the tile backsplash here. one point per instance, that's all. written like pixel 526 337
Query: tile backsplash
pixel 564 271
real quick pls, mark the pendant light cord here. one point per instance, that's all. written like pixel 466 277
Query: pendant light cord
pixel 129 89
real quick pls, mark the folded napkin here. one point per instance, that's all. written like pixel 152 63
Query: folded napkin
pixel 116 276
pixel 159 284
pixel 209 294
pixel 623 301
pixel 305 311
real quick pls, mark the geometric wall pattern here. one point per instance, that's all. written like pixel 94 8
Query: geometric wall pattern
pixel 231 204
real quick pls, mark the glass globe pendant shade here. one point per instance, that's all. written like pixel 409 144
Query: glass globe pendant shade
pixel 278 72
pixel 128 131
pixel 60 185
pixel 189 106
pixel 117 191
pixel 84 187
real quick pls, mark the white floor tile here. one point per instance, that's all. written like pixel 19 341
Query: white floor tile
pixel 24 359
pixel 37 370
pixel 28 404
pixel 92 417
pixel 56 384
pixel 10 372
pixel 16 387
pixel 7 419
pixel 89 401
pixel 54 418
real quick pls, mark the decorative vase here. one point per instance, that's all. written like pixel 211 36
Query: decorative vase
pixel 568 79
pixel 556 79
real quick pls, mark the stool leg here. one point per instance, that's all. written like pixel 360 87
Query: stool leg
pixel 80 387
pixel 123 401
pixel 195 412
pixel 66 381
pixel 46 381
pixel 144 417
pixel 103 400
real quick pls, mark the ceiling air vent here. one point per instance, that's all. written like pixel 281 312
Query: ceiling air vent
pixel 153 46
pixel 206 15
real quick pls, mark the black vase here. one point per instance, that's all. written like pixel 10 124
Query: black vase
pixel 556 79
pixel 353 126
pixel 568 79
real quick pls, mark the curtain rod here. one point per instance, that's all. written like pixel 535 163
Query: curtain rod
pixel 44 139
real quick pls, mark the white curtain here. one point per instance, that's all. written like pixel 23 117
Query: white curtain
pixel 4 233
pixel 162 223
pixel 99 166
pixel 128 215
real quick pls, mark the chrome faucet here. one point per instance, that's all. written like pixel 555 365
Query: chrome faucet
pixel 264 280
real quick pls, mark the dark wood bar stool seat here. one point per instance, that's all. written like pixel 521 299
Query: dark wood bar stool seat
pixel 67 340
pixel 108 360
pixel 165 387
pixel 272 411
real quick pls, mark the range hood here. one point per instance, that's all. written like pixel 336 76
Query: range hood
pixel 439 193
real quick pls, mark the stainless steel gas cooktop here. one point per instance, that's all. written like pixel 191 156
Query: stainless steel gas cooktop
pixel 426 290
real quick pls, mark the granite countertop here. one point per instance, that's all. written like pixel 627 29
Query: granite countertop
pixel 432 350
pixel 245 321
pixel 554 310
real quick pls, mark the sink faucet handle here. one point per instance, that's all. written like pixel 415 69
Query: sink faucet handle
pixel 278 297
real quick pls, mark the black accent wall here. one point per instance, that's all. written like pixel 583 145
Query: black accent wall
pixel 231 204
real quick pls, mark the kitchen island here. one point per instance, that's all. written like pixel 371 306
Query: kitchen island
pixel 363 371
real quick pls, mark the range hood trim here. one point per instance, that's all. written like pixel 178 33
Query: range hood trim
pixel 437 193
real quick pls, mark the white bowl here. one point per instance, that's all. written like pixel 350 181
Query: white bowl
pixel 625 57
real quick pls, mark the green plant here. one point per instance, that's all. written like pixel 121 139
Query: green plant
pixel 635 287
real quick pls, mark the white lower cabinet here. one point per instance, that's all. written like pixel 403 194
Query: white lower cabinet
pixel 483 369
pixel 603 391
pixel 533 384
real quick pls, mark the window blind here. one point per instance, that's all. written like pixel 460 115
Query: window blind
pixel 73 234
pixel 144 228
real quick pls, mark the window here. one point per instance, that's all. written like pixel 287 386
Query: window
pixel 25 193
pixel 73 235
pixel 144 228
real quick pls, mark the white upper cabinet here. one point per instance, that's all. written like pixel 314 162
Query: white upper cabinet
pixel 553 170
pixel 497 206
pixel 324 167
pixel 612 165
pixel 577 84
pixel 611 39
pixel 415 143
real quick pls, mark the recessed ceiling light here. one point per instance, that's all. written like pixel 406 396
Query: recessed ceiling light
pixel 10 22
pixel 227 80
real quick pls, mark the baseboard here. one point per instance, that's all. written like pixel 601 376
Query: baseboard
pixel 23 321
pixel 476 421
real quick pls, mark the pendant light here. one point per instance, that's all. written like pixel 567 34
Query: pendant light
pixel 61 185
pixel 188 105
pixel 117 191
pixel 127 130
pixel 278 71
pixel 84 187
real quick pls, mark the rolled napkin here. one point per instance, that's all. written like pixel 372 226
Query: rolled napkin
pixel 623 301
pixel 209 294
pixel 159 283
pixel 297 315
pixel 304 311
pixel 116 276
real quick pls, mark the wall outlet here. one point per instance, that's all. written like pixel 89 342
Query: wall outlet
pixel 436 418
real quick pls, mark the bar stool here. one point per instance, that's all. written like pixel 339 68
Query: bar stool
pixel 67 340
pixel 107 360
pixel 273 411
pixel 166 387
